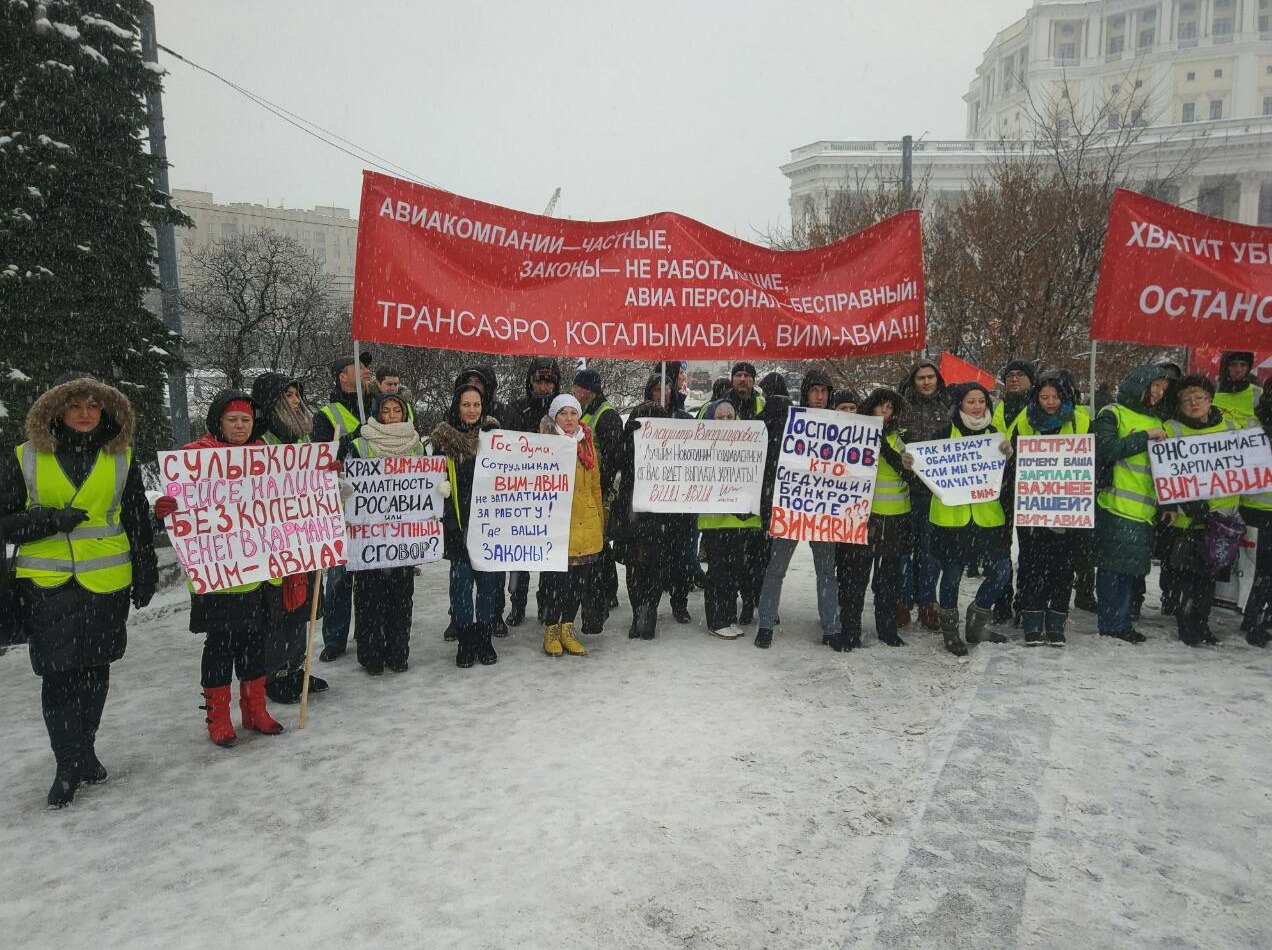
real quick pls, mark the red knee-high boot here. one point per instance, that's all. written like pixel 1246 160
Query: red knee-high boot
pixel 252 706
pixel 217 701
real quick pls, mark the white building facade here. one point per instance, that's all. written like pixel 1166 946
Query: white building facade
pixel 1194 76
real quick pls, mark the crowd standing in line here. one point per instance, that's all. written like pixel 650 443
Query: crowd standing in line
pixel 72 501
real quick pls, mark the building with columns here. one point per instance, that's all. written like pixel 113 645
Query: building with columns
pixel 1194 76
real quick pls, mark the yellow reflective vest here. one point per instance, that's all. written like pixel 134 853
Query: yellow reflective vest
pixel 986 514
pixel 342 420
pixel 1131 495
pixel 1239 407
pixel 891 493
pixel 1079 425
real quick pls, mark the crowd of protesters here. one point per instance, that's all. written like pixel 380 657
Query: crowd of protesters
pixel 72 503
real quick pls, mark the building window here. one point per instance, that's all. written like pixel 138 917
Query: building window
pixel 229 230
pixel 1115 122
pixel 1216 108
pixel 1117 87
pixel 1065 52
pixel 1265 19
pixel 1224 17
pixel 1218 73
pixel 1137 118
pixel 1116 44
pixel 1192 77
pixel 1147 38
pixel 1189 112
pixel 1139 84
pixel 1188 30
pixel 1267 105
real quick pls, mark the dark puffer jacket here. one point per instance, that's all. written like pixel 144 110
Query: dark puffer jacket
pixel 70 627
pixel 531 408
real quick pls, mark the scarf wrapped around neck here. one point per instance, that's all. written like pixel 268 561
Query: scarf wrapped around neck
pixel 391 439
pixel 1048 424
pixel 972 424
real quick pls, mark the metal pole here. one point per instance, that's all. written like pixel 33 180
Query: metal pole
pixel 1091 391
pixel 662 371
pixel 357 375
pixel 165 237
pixel 907 167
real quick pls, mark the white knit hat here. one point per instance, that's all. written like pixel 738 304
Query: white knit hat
pixel 563 401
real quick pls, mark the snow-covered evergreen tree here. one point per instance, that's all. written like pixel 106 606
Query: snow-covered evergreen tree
pixel 76 202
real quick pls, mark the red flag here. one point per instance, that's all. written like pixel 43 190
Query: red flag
pixel 955 370
pixel 1178 278
pixel 438 270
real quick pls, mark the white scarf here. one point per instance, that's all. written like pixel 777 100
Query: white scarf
pixel 394 439
pixel 976 425
pixel 578 433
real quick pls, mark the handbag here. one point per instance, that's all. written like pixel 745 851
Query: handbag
pixel 1221 541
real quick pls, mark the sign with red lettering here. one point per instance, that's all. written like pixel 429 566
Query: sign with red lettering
pixel 253 513
pixel 825 480
pixel 1055 481
pixel 523 493
pixel 1216 465
pixel 699 466
pixel 1177 278
pixel 441 271
pixel 393 512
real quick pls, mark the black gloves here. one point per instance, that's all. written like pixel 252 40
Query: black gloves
pixel 66 520
pixel 142 592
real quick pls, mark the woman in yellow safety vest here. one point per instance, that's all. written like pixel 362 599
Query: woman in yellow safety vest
pixel 382 597
pixel 72 500
pixel 1191 411
pixel 239 623
pixel 1256 511
pixel 1126 504
pixel 564 592
pixel 1048 556
pixel 889 535
pixel 962 532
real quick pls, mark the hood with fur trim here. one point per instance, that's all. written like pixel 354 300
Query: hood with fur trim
pixel 118 425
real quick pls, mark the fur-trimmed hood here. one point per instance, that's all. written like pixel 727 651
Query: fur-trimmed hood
pixel 118 424
pixel 457 444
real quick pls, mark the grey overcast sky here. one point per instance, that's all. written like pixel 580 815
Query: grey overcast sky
pixel 631 108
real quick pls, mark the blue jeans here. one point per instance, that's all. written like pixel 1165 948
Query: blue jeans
pixel 337 607
pixel 489 586
pixel 997 575
pixel 1114 594
pixel 781 550
pixel 919 571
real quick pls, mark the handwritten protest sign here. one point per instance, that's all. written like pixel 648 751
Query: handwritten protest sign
pixel 1218 465
pixel 961 471
pixel 523 489
pixel 393 514
pixel 699 466
pixel 253 513
pixel 826 476
pixel 1055 481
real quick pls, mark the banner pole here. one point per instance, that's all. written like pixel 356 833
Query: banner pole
pixel 1091 391
pixel 309 645
pixel 662 371
pixel 357 371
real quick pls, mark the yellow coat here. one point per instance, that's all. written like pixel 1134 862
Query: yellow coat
pixel 587 514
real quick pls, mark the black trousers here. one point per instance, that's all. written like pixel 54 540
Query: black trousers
pixel 1260 597
pixel 652 556
pixel 732 556
pixel 855 564
pixel 582 586
pixel 382 601
pixel 72 702
pixel 1048 560
pixel 234 648
pixel 1196 593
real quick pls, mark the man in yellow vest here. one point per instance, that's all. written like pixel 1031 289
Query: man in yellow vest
pixel 72 500
pixel 1237 395
pixel 338 420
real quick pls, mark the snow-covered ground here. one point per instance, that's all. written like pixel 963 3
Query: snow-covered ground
pixel 687 792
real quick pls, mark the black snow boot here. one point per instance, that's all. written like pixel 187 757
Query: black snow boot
pixel 466 655
pixel 1035 622
pixel 67 779
pixel 648 622
pixel 746 616
pixel 486 654
pixel 517 615
pixel 285 688
pixel 845 640
pixel 1055 627
pixel 681 613
pixel 497 629
pixel 1258 637
pixel 450 634
pixel 764 638
pixel 949 631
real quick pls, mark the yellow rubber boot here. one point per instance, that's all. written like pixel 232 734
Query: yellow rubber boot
pixel 568 642
pixel 552 640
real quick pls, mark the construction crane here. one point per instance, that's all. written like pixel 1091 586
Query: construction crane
pixel 552 202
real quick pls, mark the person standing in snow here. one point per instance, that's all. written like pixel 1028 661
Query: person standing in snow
pixel 1126 503
pixel 928 416
pixel 582 584
pixel 240 624
pixel 1256 512
pixel 382 597
pixel 1237 395
pixel 474 595
pixel 288 421
pixel 1049 556
pixel 336 422
pixel 72 501
pixel 777 406
pixel 1018 378
pixel 961 532
pixel 888 536
pixel 606 426
pixel 747 405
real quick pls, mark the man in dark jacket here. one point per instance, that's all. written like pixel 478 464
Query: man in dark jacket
pixel 928 418
pixel 607 434
pixel 746 401
pixel 1018 378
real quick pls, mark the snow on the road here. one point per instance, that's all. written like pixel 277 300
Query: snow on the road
pixel 687 792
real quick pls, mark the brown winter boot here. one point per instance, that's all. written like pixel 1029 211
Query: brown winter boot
pixel 930 616
pixel 552 640
pixel 252 706
pixel 949 632
pixel 217 701
pixel 977 620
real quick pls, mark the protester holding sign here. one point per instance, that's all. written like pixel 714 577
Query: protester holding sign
pixel 1126 507
pixel 287 420
pixel 72 500
pixel 456 438
pixel 1193 412
pixel 928 416
pixel 888 536
pixel 583 584
pixel 1256 511
pixel 240 623
pixel 382 597
pixel 978 529
pixel 1049 554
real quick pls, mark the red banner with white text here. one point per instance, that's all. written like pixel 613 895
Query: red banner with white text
pixel 438 270
pixel 1177 278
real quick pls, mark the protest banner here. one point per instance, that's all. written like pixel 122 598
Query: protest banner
pixel 253 513
pixel 393 516
pixel 1055 481
pixel 523 490
pixel 826 476
pixel 438 270
pixel 1217 465
pixel 699 466
pixel 961 471
pixel 1171 277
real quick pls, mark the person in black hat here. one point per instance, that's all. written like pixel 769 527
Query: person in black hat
pixel 606 426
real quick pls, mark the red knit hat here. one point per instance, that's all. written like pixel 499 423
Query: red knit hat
pixel 238 405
